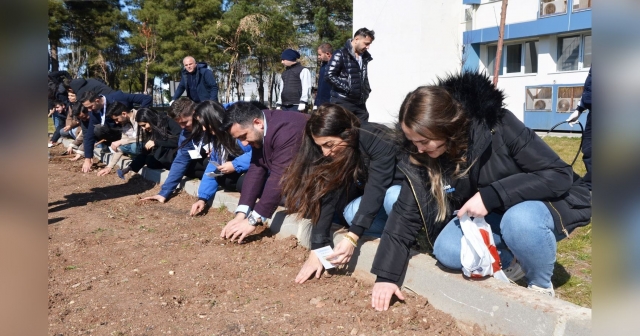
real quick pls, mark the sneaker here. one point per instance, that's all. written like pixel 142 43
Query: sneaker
pixel 514 272
pixel 546 291
pixel 49 145
pixel 120 173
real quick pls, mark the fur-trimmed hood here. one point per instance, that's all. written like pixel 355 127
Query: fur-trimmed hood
pixel 477 95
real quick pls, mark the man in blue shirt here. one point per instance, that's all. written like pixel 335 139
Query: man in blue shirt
pixel 198 80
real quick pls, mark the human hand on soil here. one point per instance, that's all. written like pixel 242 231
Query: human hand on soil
pixel 382 294
pixel 104 171
pixel 343 251
pixel 197 207
pixel 86 166
pixel 154 198
pixel 238 227
pixel 76 158
pixel 149 145
pixel 69 150
pixel 474 207
pixel 310 266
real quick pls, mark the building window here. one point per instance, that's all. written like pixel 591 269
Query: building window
pixel 579 5
pixel 568 98
pixel 492 50
pixel 518 58
pixel 586 52
pixel 552 7
pixel 574 52
pixel 513 53
pixel 538 98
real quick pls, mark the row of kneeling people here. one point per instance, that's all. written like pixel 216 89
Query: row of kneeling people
pixel 455 152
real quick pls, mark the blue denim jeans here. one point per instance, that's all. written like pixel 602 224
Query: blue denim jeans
pixel 377 226
pixel 130 149
pixel 525 231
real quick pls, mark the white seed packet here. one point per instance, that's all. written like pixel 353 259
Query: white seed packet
pixel 322 253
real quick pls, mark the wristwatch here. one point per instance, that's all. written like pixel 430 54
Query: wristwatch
pixel 254 219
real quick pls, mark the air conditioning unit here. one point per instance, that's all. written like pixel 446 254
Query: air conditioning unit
pixel 542 104
pixel 550 7
pixel 564 105
pixel 581 4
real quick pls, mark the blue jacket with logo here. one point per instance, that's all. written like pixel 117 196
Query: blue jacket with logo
pixel 208 185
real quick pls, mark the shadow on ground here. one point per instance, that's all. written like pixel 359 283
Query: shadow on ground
pixel 135 185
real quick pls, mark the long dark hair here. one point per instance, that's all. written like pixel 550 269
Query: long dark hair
pixel 211 115
pixel 312 175
pixel 433 108
pixel 158 122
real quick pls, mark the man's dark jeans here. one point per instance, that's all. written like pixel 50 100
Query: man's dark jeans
pixel 360 110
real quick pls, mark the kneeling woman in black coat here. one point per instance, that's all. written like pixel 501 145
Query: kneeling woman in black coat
pixel 158 139
pixel 342 168
pixel 468 153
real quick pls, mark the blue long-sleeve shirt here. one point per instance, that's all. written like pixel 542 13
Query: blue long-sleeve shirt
pixel 180 163
pixel 209 185
pixel 95 117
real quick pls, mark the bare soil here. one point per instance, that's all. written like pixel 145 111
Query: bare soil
pixel 120 266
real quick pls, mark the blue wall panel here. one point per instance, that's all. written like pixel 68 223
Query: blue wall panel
pixel 472 54
pixel 543 26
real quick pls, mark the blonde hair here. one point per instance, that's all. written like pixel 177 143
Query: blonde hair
pixel 433 108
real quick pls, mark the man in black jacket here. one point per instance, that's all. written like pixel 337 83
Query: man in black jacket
pixel 325 51
pixel 79 86
pixel 97 106
pixel 295 83
pixel 348 74
pixel 198 80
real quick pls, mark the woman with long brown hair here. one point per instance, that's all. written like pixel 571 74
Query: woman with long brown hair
pixel 341 165
pixel 468 153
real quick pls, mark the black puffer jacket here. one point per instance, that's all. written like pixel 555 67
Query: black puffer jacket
pixel 347 80
pixel 379 158
pixel 513 165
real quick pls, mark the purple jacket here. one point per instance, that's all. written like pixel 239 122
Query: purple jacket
pixel 280 146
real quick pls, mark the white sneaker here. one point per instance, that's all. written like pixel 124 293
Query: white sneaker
pixel 49 145
pixel 514 272
pixel 546 291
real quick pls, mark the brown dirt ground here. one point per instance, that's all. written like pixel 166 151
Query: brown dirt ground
pixel 119 266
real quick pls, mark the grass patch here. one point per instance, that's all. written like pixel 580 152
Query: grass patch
pixel 567 148
pixel 70 267
pixel 572 273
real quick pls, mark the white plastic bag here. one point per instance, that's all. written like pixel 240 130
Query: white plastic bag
pixel 478 253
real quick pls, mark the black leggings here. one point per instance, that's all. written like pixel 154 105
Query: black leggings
pixel 231 182
pixel 146 159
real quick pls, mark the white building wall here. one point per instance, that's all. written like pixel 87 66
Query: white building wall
pixel 416 40
pixel 488 13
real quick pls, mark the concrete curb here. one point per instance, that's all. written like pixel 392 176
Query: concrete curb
pixel 498 307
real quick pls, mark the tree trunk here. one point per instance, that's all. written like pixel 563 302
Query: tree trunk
pixel 496 68
pixel 231 67
pixel 53 51
pixel 261 79
pixel 271 82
